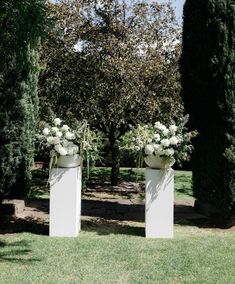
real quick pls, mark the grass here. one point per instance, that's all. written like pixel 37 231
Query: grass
pixel 183 185
pixel 117 252
pixel 110 252
pixel 183 181
pixel 102 174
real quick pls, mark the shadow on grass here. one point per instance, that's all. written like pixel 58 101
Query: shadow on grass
pixel 206 223
pixel 117 210
pixel 10 225
pixel 109 227
pixel 183 185
pixel 185 190
pixel 105 227
pixel 17 252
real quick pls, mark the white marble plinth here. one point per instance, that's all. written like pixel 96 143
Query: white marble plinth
pixel 159 204
pixel 65 202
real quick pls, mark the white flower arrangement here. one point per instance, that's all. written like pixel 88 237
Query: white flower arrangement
pixel 171 142
pixel 60 139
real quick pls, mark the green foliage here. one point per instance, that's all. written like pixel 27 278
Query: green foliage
pixel 208 78
pixel 20 28
pixel 92 146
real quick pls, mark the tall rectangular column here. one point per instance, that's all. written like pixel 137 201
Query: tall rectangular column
pixel 159 203
pixel 65 202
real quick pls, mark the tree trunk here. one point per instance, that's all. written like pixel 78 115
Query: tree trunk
pixel 115 151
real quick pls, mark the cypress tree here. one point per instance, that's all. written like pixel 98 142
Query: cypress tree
pixel 208 90
pixel 21 24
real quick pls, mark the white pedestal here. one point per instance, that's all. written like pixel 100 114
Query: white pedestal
pixel 159 204
pixel 65 202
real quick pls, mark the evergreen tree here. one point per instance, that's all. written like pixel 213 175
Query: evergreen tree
pixel 208 80
pixel 21 23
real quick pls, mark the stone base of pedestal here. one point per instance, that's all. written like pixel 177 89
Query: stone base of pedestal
pixel 159 204
pixel 65 202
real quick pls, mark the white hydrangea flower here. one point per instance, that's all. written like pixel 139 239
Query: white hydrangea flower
pixel 69 135
pixel 160 151
pixel 169 152
pixel 56 140
pixel 61 150
pixel 165 131
pixel 173 128
pixel 149 140
pixel 163 128
pixel 54 129
pixel 59 134
pixel 46 131
pixel 165 142
pixel 174 140
pixel 65 127
pixel 157 137
pixel 149 149
pixel 50 140
pixel 58 147
pixel 158 125
pixel 156 147
pixel 57 121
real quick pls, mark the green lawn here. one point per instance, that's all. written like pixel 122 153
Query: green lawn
pixel 182 188
pixel 108 252
pixel 183 185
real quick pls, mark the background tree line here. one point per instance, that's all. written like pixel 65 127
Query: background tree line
pixel 116 64
pixel 112 63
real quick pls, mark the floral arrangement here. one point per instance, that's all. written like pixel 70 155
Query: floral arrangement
pixel 171 142
pixel 61 139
